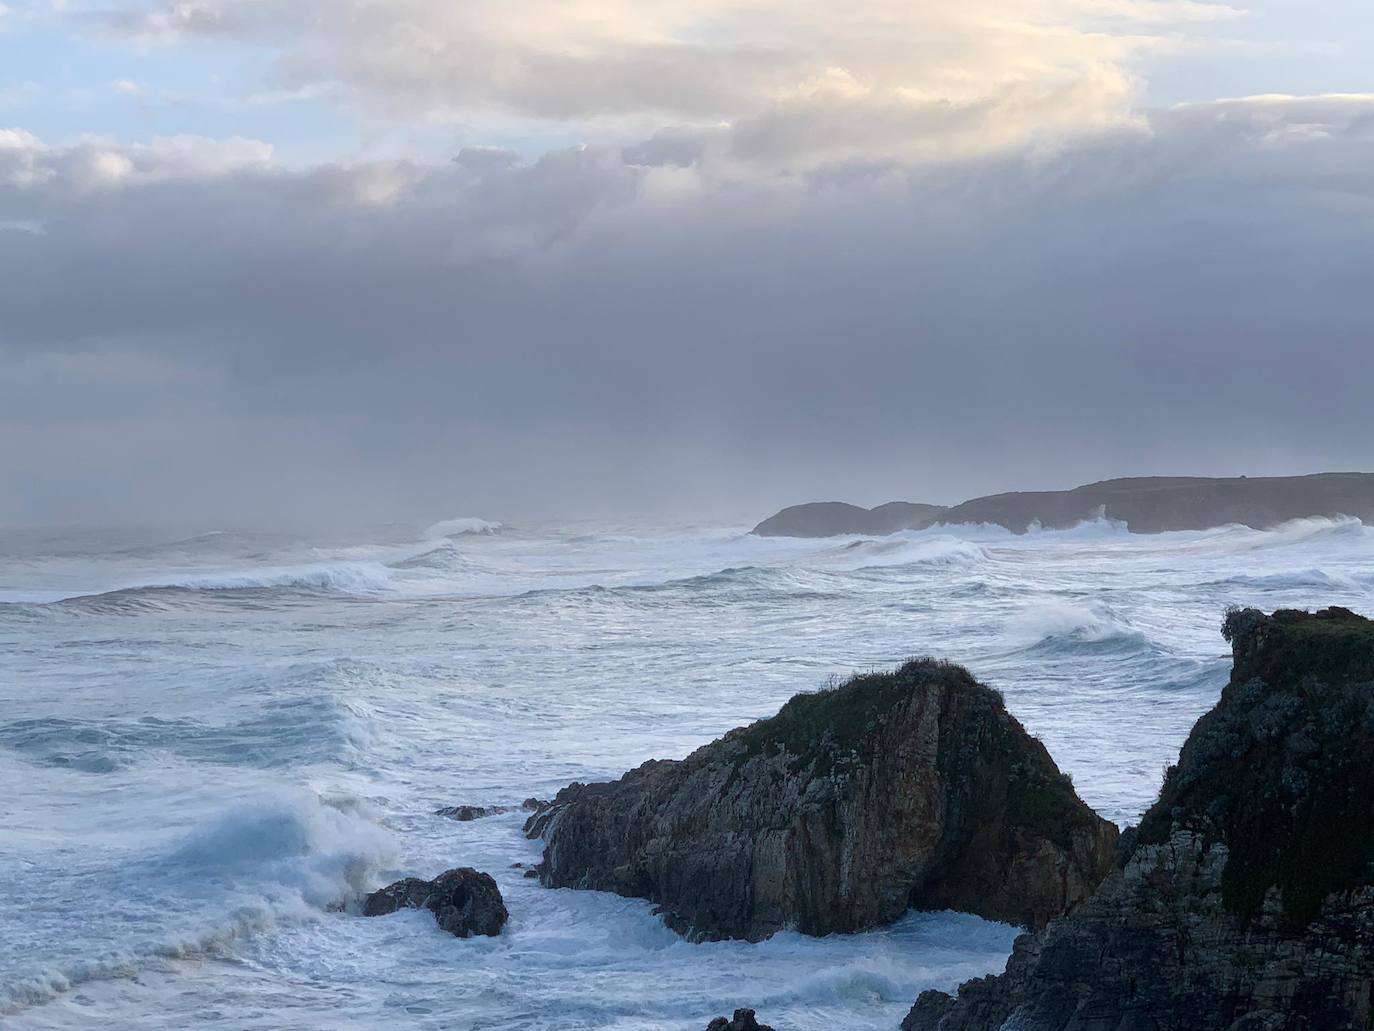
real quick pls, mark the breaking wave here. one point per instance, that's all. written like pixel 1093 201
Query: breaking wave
pixel 461 526
pixel 285 858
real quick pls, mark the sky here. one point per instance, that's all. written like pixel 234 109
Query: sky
pixel 302 261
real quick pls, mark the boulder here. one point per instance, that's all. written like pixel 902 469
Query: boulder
pixel 1245 899
pixel 465 902
pixel 842 812
pixel 743 1020
pixel 465 813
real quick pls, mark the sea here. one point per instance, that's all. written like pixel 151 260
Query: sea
pixel 212 743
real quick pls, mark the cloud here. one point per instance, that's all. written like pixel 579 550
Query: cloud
pixel 197 330
pixel 94 163
pixel 917 77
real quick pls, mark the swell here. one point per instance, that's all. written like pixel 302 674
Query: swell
pixel 280 859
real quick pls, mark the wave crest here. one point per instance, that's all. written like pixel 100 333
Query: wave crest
pixel 463 525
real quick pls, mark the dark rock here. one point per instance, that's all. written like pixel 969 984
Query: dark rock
pixel 1147 504
pixel 465 902
pixel 531 805
pixel 464 813
pixel 842 812
pixel 831 518
pixel 1245 900
pixel 743 1020
pixel 539 818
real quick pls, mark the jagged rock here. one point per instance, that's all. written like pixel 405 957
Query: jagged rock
pixel 1245 901
pixel 538 820
pixel 840 813
pixel 743 1020
pixel 465 902
pixel 464 813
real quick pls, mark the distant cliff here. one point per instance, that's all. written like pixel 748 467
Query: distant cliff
pixel 842 812
pixel 1245 900
pixel 832 518
pixel 1151 504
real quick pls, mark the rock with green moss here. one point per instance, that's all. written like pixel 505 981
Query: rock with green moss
pixel 1245 900
pixel 842 812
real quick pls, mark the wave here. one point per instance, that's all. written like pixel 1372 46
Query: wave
pixel 287 731
pixel 898 552
pixel 459 527
pixel 286 858
pixel 362 578
pixel 1297 579
pixel 1054 625
pixel 1314 529
pixel 348 577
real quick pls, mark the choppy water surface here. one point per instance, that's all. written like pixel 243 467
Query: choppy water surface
pixel 207 743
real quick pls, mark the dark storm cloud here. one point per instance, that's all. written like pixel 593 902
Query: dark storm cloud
pixel 189 331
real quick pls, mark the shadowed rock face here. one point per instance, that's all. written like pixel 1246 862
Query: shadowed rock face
pixel 832 518
pixel 909 789
pixel 1246 897
pixel 464 901
pixel 1149 504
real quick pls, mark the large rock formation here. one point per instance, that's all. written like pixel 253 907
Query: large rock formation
pixel 1245 900
pixel 1148 504
pixel 832 518
pixel 464 901
pixel 843 811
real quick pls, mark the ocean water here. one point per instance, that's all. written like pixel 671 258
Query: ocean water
pixel 210 744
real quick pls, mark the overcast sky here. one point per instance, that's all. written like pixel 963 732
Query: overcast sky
pixel 306 259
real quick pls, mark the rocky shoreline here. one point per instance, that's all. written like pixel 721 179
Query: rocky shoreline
pixel 1244 900
pixel 1148 504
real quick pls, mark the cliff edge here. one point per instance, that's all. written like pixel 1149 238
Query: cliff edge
pixel 1245 899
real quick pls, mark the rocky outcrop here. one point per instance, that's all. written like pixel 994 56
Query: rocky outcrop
pixel 467 813
pixel 465 902
pixel 743 1020
pixel 1245 900
pixel 840 813
pixel 832 518
pixel 1147 504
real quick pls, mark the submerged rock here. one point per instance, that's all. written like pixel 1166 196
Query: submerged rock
pixel 743 1020
pixel 840 813
pixel 465 902
pixel 1245 901
pixel 465 813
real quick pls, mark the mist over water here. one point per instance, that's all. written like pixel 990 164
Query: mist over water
pixel 209 744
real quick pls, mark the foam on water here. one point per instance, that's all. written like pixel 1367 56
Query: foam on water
pixel 212 742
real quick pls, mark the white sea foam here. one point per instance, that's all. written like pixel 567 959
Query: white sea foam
pixel 459 527
pixel 170 862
